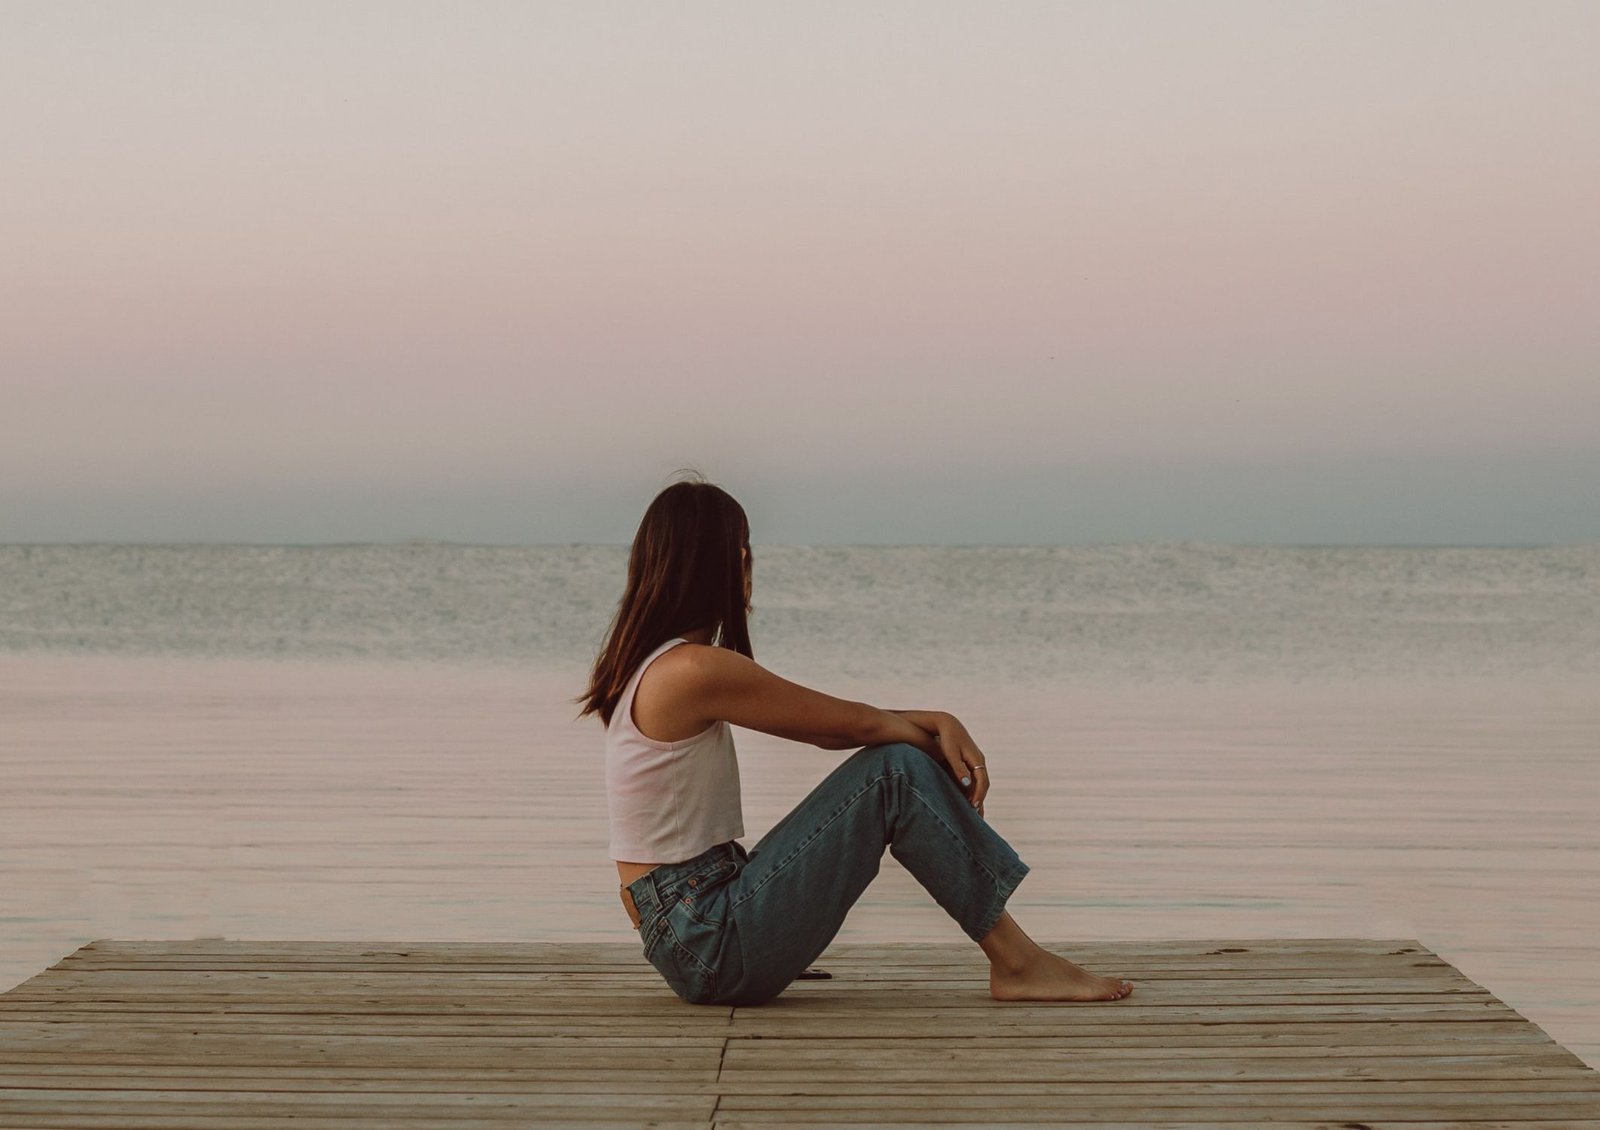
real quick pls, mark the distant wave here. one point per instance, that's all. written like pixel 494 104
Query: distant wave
pixel 1190 611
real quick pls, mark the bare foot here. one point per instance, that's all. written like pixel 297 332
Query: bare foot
pixel 1048 977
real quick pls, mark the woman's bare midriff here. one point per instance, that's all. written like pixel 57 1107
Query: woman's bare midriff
pixel 628 872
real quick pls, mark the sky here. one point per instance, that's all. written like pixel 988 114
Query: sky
pixel 1019 273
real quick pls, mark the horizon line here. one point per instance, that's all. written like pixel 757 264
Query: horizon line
pixel 1179 542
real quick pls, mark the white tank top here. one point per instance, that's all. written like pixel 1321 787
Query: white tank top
pixel 669 801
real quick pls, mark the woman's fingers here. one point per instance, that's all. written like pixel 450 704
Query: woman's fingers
pixel 966 760
pixel 976 771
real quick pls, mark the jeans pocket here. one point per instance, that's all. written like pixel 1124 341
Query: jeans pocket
pixel 652 934
pixel 698 895
pixel 684 952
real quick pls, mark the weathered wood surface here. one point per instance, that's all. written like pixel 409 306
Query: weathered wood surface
pixel 1334 1034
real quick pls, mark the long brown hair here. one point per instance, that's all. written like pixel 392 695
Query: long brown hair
pixel 684 573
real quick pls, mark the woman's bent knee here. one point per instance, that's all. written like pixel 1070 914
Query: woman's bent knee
pixel 898 755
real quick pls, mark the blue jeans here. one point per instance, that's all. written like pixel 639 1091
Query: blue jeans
pixel 736 927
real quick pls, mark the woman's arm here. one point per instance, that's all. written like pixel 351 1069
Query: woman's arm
pixel 733 688
pixel 960 751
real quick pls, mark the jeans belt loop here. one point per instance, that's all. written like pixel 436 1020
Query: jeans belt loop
pixel 650 896
pixel 658 888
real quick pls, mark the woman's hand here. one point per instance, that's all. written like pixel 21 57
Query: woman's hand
pixel 957 748
pixel 965 758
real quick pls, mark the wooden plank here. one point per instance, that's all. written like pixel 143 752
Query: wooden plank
pixel 619 1104
pixel 128 1121
pixel 1465 1069
pixel 922 1122
pixel 878 950
pixel 63 1025
pixel 445 1079
pixel 520 1110
pixel 1210 969
pixel 966 958
pixel 1302 1103
pixel 626 986
pixel 972 1056
pixel 1332 1113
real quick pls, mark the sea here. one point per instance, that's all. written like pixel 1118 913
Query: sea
pixel 380 742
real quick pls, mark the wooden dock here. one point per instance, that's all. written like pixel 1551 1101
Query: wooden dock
pixel 1336 1034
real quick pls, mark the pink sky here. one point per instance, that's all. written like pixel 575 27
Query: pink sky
pixel 354 247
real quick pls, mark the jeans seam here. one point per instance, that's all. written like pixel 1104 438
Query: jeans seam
pixel 817 831
pixel 680 948
pixel 651 930
pixel 1004 888
pixel 956 836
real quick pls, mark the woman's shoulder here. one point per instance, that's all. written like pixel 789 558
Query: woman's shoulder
pixel 690 667
pixel 689 659
pixel 670 701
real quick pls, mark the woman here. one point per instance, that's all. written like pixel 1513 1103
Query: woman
pixel 726 926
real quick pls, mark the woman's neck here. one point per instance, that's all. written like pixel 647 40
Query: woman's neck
pixel 699 635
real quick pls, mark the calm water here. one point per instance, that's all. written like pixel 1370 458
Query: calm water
pixel 1184 613
pixel 373 742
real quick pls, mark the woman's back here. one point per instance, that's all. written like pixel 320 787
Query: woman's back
pixel 668 800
